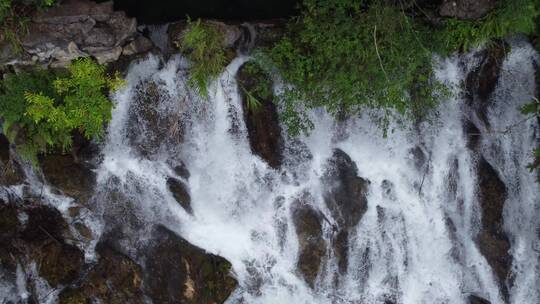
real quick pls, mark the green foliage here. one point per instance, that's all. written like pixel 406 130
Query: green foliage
pixel 14 18
pixel 511 17
pixel 202 44
pixel 259 86
pixel 347 56
pixel 40 109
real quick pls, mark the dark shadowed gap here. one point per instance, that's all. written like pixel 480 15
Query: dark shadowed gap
pixel 162 11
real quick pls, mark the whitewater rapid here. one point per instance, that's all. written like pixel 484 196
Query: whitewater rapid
pixel 402 249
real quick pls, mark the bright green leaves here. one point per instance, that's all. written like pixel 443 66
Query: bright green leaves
pixel 40 111
pixel 202 43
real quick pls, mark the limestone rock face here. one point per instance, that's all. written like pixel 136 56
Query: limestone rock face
pixel 77 28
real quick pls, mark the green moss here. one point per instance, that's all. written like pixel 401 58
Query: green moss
pixel 202 44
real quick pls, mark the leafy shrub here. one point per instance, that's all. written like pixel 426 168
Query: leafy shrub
pixel 202 44
pixel 256 84
pixel 348 55
pixel 41 109
pixel 511 17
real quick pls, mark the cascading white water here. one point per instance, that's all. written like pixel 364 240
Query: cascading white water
pixel 402 249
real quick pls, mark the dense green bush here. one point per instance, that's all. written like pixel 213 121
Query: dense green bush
pixel 352 55
pixel 202 44
pixel 511 17
pixel 347 56
pixel 40 109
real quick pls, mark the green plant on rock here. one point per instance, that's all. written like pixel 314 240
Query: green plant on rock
pixel 40 109
pixel 256 84
pixel 202 43
pixel 348 55
pixel 511 17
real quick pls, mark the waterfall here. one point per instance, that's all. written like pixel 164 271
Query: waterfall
pixel 418 240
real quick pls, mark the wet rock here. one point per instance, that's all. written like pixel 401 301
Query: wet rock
pixel 74 29
pixel 141 44
pixel 74 179
pixel 59 263
pixel 492 240
pixel 150 127
pixel 477 300
pixel 345 193
pixel 11 172
pixel 260 114
pixel 308 224
pixel 41 238
pixel 182 171
pixel 114 279
pixel 482 81
pixel 467 9
pixel 178 272
pixel 180 193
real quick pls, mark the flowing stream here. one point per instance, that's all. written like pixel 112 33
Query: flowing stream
pixel 415 244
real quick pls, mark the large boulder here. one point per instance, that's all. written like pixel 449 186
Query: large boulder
pixel 178 272
pixel 115 278
pixel 260 114
pixel 467 9
pixel 492 239
pixel 308 224
pixel 345 195
pixel 472 299
pixel 74 179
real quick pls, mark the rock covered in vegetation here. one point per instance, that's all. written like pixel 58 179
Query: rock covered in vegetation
pixel 492 239
pixel 308 224
pixel 178 272
pixel 260 114
pixel 76 28
pixel 467 9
